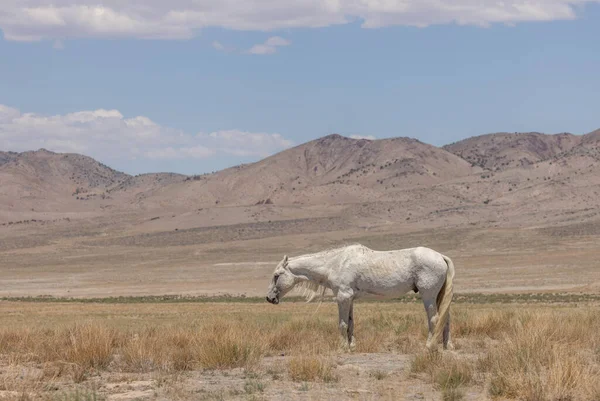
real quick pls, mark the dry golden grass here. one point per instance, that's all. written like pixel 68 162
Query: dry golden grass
pixel 311 368
pixel 224 345
pixel 447 371
pixel 315 335
pixel 520 352
pixel 542 357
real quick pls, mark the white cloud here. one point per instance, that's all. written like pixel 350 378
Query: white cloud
pixel 196 152
pixel 222 48
pixel 30 20
pixel 270 46
pixel 242 143
pixel 8 113
pixel 277 41
pixel 369 137
pixel 218 46
pixel 262 50
pixel 108 135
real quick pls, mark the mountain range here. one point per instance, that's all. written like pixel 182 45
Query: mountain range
pixel 523 179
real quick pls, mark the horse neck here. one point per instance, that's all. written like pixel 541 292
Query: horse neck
pixel 314 268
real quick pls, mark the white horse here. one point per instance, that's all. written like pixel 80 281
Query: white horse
pixel 356 270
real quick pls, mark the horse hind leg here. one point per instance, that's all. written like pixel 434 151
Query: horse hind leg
pixel 351 326
pixel 446 335
pixel 432 316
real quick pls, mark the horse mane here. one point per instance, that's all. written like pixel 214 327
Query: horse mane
pixel 310 289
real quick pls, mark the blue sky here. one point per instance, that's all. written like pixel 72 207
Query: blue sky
pixel 238 86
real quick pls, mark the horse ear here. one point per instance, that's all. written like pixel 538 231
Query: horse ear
pixel 285 258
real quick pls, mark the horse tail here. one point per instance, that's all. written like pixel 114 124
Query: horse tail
pixel 444 298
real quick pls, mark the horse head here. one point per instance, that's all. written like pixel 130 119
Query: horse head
pixel 282 282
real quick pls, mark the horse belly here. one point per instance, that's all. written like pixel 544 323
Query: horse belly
pixel 389 287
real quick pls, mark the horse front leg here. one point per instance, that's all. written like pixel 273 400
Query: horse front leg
pixel 344 307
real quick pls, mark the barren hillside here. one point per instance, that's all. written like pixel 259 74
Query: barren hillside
pixel 47 182
pixel 506 150
pixel 44 181
pixel 330 170
pixel 506 179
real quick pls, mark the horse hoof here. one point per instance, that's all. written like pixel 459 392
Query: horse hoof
pixel 431 347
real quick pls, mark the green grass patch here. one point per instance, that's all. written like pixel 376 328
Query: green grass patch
pixel 466 298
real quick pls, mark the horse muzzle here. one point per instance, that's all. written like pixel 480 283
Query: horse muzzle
pixel 273 300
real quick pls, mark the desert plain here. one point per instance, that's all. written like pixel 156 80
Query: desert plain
pixel 151 287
